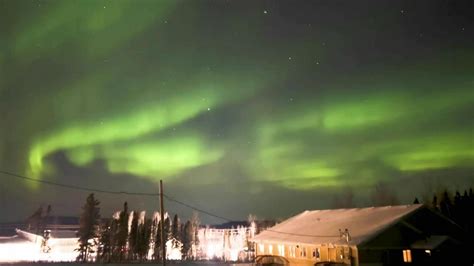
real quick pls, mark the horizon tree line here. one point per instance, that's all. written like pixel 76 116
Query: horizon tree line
pixel 115 240
pixel 458 207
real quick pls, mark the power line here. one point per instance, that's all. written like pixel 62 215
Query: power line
pixel 197 209
pixel 74 186
pixel 230 220
pixel 109 192
pixel 143 194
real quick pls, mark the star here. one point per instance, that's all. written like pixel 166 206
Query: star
pixel 265 12
pixel 289 58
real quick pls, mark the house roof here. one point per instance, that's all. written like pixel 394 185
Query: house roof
pixel 322 226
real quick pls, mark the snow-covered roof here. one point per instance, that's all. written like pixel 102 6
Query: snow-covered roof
pixel 322 226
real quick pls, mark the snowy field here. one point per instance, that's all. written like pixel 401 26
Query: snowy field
pixel 19 251
pixel 15 248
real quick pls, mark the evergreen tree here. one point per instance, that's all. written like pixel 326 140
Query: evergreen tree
pixel 195 223
pixel 175 228
pixel 114 250
pixel 188 235
pixel 167 229
pixel 143 243
pixel 166 236
pixel 446 205
pixel 457 208
pixel 122 234
pixel 88 226
pixel 470 209
pixel 34 221
pixel 434 203
pixel 157 251
pixel 104 251
pixel 133 237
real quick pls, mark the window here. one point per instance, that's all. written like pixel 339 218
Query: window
pixel 261 248
pixel 316 253
pixel 281 250
pixel 407 255
pixel 303 251
pixel 270 249
pixel 292 251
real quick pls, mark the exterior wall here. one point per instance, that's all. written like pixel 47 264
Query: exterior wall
pixel 304 254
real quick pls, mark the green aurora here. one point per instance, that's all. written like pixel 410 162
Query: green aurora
pixel 160 90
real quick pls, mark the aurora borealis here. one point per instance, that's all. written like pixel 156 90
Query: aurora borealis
pixel 236 105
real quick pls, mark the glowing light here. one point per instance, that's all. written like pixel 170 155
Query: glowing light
pixel 281 250
pixel 28 248
pixel 173 249
pixel 224 244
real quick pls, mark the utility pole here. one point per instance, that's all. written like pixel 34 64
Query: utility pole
pixel 162 212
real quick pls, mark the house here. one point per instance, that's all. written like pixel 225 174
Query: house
pixel 390 235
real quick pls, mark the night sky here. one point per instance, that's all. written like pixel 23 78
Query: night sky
pixel 263 107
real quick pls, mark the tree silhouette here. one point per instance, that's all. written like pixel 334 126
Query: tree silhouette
pixel 133 237
pixel 122 233
pixel 143 243
pixel 176 228
pixel 434 203
pixel 158 243
pixel 188 235
pixel 88 227
pixel 446 205
pixel 104 251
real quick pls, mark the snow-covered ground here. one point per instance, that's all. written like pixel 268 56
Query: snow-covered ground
pixel 24 248
pixel 223 244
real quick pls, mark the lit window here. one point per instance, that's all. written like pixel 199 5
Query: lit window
pixel 407 255
pixel 281 250
pixel 270 249
pixel 261 248
pixel 292 251
pixel 316 253
pixel 303 251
